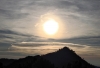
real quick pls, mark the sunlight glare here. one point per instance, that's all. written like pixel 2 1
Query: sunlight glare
pixel 50 27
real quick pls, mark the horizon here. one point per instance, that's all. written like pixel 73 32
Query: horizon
pixel 23 49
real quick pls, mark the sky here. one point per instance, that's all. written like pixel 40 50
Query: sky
pixel 22 20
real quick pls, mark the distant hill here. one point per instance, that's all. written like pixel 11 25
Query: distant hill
pixel 63 58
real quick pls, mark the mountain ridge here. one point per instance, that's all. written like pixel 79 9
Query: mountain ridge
pixel 62 58
pixel 64 55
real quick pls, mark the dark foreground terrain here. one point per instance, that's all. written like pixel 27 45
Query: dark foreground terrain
pixel 63 58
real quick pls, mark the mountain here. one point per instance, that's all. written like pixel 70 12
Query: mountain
pixel 63 58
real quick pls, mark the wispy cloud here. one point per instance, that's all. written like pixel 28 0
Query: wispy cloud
pixel 9 36
pixel 80 18
pixel 43 48
pixel 87 40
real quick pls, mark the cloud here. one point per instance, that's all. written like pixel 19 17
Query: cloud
pixel 86 40
pixel 80 18
pixel 46 47
pixel 9 36
pixel 8 12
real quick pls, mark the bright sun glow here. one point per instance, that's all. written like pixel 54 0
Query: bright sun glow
pixel 50 27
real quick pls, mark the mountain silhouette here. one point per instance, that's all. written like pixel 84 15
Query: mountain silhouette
pixel 63 58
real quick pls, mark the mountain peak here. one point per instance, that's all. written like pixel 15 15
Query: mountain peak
pixel 62 56
pixel 64 49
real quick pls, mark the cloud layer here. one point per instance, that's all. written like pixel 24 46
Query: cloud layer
pixel 81 18
pixel 22 20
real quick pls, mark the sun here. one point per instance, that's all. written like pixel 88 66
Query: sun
pixel 51 27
